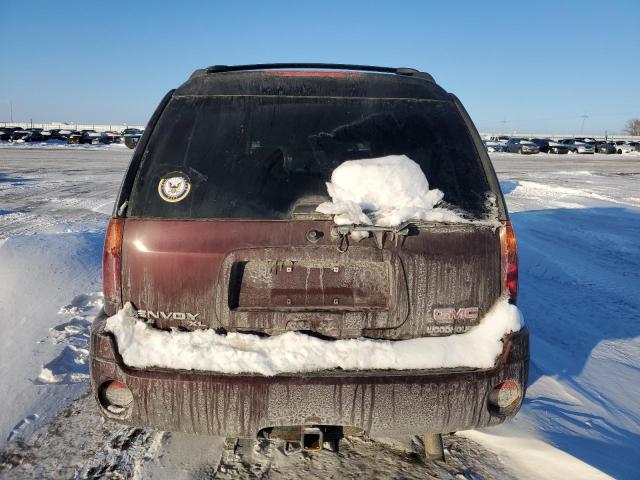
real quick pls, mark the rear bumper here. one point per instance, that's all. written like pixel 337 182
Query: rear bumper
pixel 378 402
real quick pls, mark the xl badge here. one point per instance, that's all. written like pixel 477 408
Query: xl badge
pixel 174 186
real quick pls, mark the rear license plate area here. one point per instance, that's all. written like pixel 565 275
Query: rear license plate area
pixel 288 285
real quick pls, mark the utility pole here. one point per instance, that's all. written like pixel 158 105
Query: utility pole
pixel 584 116
pixel 11 108
pixel 503 122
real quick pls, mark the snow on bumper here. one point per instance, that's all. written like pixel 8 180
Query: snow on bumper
pixel 380 402
pixel 142 346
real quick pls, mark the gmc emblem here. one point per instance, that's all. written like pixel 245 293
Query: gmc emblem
pixel 451 314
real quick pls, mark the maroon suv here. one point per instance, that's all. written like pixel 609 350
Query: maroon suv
pixel 224 183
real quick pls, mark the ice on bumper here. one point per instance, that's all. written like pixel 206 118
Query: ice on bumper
pixel 385 191
pixel 141 345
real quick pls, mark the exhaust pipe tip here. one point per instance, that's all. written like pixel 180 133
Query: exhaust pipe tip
pixel 312 439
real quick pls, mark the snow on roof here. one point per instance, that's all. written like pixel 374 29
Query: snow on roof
pixel 141 346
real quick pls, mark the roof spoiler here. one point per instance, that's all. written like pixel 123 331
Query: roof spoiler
pixel 409 72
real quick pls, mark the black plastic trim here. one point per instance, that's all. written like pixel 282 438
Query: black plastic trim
pixel 127 182
pixel 490 172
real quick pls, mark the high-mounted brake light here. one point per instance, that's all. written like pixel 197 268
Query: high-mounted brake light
pixel 111 266
pixel 311 73
pixel 509 261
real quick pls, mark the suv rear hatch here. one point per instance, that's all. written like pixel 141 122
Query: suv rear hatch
pixel 244 249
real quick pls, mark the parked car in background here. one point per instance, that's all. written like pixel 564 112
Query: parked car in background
pixel 90 137
pixel 131 136
pixel 587 140
pixel 110 137
pixel 59 134
pixel 74 137
pixel 623 146
pixel 69 133
pixel 547 145
pixel 494 146
pixel 35 135
pixel 6 132
pixel 132 131
pixel 9 128
pixel 576 146
pixel 85 137
pixel 18 135
pixel 522 145
pixel 605 147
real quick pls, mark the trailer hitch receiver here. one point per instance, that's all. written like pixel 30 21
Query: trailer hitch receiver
pixel 312 439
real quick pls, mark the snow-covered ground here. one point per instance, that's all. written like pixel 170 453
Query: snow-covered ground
pixel 53 205
pixel 577 220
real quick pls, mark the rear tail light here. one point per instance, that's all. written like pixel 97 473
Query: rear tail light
pixel 111 266
pixel 509 261
pixel 505 397
pixel 115 396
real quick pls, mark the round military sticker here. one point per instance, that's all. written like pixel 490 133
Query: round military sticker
pixel 174 186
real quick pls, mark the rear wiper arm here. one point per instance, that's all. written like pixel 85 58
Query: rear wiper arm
pixel 341 233
pixel 339 230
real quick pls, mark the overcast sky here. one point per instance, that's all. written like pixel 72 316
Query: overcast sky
pixel 517 66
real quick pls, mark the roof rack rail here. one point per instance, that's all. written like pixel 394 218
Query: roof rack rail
pixel 323 66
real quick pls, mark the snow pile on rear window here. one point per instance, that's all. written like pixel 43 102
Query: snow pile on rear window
pixel 385 191
pixel 141 345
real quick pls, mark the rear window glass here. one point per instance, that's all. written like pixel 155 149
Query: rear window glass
pixel 268 157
